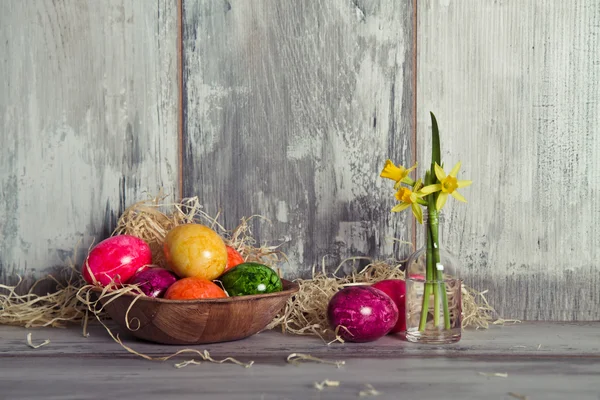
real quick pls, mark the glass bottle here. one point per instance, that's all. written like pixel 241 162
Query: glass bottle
pixel 439 294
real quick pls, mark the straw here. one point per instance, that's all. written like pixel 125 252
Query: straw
pixel 305 313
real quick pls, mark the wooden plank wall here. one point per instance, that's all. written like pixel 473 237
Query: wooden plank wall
pixel 516 89
pixel 88 113
pixel 291 108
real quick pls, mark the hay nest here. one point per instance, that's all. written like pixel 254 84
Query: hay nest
pixel 52 309
pixel 304 314
pixel 151 221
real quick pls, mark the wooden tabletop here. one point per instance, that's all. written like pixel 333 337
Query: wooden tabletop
pixel 528 360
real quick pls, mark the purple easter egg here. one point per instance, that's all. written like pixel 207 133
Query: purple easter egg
pixel 366 313
pixel 154 282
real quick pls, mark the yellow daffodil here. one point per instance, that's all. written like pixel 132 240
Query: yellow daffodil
pixel 409 198
pixel 397 173
pixel 447 186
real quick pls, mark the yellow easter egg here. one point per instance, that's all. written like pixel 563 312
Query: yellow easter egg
pixel 195 250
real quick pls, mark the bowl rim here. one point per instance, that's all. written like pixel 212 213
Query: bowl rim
pixel 293 287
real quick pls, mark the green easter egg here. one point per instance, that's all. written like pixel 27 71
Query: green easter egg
pixel 251 278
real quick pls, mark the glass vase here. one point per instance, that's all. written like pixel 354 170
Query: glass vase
pixel 433 299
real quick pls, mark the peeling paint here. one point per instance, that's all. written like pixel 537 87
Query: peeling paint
pixel 88 117
pixel 516 91
pixel 279 120
pixel 282 213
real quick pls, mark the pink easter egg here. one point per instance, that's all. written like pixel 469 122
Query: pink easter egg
pixel 116 259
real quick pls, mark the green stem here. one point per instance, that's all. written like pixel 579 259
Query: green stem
pixel 436 303
pixel 433 223
pixel 436 157
pixel 427 290
pixel 425 309
pixel 440 285
pixel 428 286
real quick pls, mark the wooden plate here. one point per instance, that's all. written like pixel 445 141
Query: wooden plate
pixel 186 322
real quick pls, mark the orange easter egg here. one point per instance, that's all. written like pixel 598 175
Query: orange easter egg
pixel 234 258
pixel 195 250
pixel 194 288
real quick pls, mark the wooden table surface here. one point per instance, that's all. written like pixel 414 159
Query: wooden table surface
pixel 530 360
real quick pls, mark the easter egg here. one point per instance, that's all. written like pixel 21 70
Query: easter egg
pixel 363 312
pixel 233 258
pixel 251 278
pixel 396 289
pixel 195 250
pixel 194 288
pixel 153 282
pixel 116 259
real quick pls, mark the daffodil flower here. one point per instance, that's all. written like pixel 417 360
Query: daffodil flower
pixel 397 173
pixel 447 186
pixel 412 199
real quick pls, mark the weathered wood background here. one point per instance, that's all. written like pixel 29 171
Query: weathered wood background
pixel 289 110
pixel 88 109
pixel 516 89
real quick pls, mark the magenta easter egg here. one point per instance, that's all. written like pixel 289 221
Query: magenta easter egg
pixel 116 259
pixel 365 313
pixel 396 289
pixel 154 282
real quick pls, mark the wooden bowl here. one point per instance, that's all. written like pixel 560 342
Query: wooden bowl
pixel 187 322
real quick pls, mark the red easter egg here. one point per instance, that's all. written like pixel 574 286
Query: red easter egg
pixel 233 258
pixel 396 289
pixel 116 259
